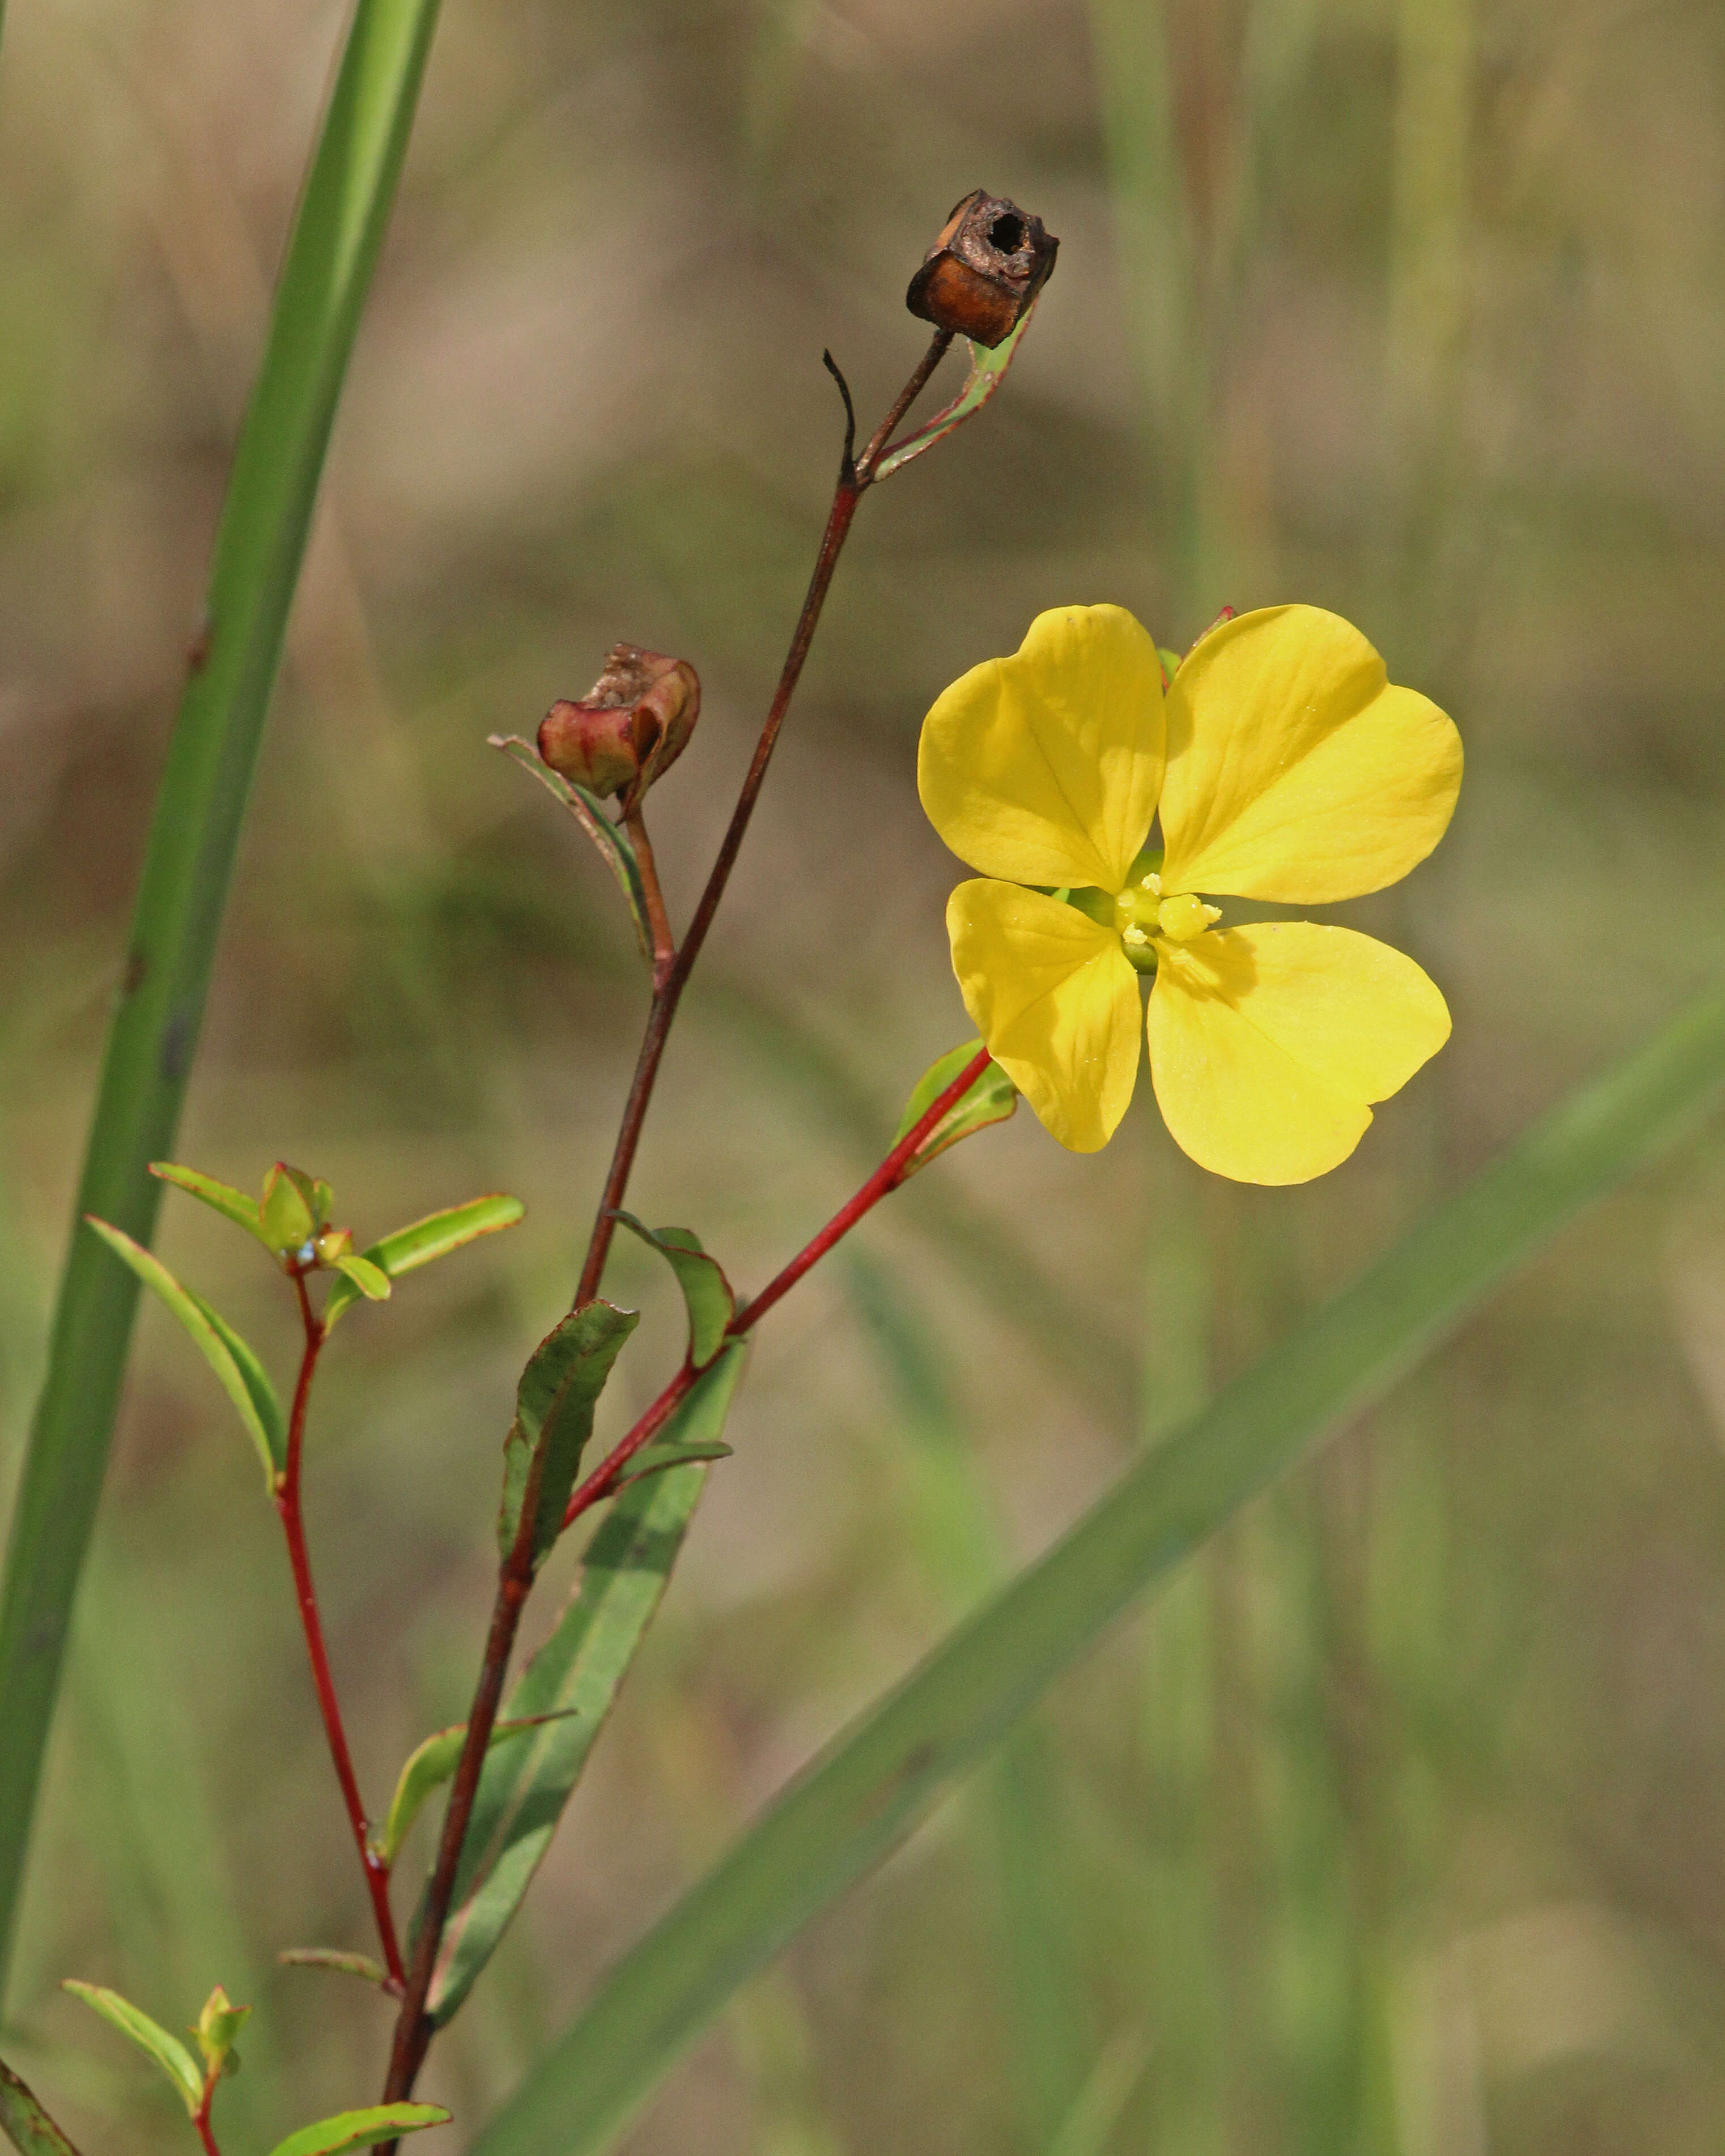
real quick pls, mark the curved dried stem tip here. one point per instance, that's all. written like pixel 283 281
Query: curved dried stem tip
pixel 989 260
pixel 629 727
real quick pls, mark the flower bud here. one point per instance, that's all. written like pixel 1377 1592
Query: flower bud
pixel 629 727
pixel 988 262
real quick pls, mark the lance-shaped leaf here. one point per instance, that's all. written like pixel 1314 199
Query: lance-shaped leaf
pixel 991 1099
pixel 554 1418
pixel 168 2052
pixel 707 1293
pixel 429 1765
pixel 231 1203
pixel 243 1377
pixel 361 2129
pixel 987 371
pixel 365 1274
pixel 25 2123
pixel 575 1675
pixel 655 1459
pixel 422 1241
pixel 339 1959
pixel 589 812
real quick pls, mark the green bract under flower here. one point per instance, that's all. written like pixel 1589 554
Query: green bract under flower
pixel 1284 766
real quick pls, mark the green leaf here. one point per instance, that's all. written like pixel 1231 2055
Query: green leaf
pixel 361 2129
pixel 987 371
pixel 233 1204
pixel 336 1958
pixel 577 1673
pixel 589 812
pixel 707 1293
pixel 243 1377
pixel 991 1099
pixel 168 2052
pixel 285 1219
pixel 879 1780
pixel 337 230
pixel 553 1417
pixel 367 1275
pixel 429 1765
pixel 422 1241
pixel 218 2027
pixel 25 2123
pixel 655 1459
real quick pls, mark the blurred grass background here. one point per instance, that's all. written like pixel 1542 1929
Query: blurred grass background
pixel 1395 1827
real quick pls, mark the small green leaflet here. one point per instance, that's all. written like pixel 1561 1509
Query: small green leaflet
pixel 428 1766
pixel 991 1099
pixel 655 1459
pixel 168 2052
pixel 232 1204
pixel 707 1293
pixel 554 1404
pixel 25 2123
pixel 336 1958
pixel 987 371
pixel 217 2030
pixel 367 1276
pixel 243 1377
pixel 423 1241
pixel 589 812
pixel 576 1674
pixel 361 2129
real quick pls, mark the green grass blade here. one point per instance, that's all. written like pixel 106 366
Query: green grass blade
pixel 25 2123
pixel 571 1683
pixel 189 860
pixel 879 1780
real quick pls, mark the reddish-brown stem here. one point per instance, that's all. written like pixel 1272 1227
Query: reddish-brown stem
pixel 892 1172
pixel 854 479
pixel 206 2132
pixel 664 944
pixel 293 1524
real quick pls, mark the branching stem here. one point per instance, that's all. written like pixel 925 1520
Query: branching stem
pixel 293 1522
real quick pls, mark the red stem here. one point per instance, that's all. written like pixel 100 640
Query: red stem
pixel 293 1522
pixel 886 1178
pixel 206 2132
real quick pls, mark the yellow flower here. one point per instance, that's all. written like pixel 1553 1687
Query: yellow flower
pixel 1285 767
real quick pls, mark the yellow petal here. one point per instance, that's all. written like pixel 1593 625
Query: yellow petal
pixel 1295 771
pixel 1052 994
pixel 1045 767
pixel 1267 1043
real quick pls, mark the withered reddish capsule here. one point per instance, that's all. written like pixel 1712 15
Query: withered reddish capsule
pixel 988 262
pixel 629 727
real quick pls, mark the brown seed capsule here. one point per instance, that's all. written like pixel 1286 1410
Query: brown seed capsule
pixel 629 727
pixel 988 262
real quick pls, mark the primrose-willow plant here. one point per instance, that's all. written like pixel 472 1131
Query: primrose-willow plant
pixel 1101 788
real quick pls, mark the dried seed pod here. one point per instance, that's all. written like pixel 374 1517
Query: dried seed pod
pixel 988 262
pixel 629 727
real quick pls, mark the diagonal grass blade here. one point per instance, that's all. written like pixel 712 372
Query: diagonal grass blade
pixel 258 548
pixel 874 1783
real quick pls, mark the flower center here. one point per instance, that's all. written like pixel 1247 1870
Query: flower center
pixel 1141 913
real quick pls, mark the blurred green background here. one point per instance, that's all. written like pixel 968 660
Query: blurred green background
pixel 1397 1827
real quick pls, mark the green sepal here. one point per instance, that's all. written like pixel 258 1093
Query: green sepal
pixel 987 371
pixel 554 1405
pixel 243 1377
pixel 589 812
pixel 168 2052
pixel 421 1241
pixel 579 1669
pixel 361 2129
pixel 1170 665
pixel 217 2030
pixel 655 1459
pixel 336 1958
pixel 991 1099
pixel 429 1766
pixel 25 2123
pixel 285 1219
pixel 367 1276
pixel 710 1302
pixel 323 1202
pixel 231 1203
